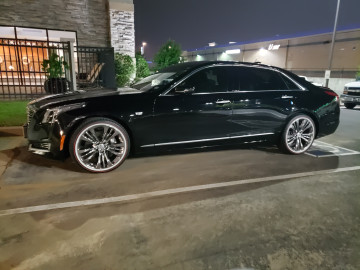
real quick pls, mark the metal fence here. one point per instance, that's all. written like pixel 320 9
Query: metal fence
pixel 21 73
pixel 95 67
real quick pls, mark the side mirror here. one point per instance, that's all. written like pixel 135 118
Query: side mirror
pixel 184 90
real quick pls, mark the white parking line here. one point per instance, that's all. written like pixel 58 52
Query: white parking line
pixel 323 149
pixel 153 194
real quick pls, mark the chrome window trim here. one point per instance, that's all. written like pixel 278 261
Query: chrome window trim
pixel 301 88
pixel 207 140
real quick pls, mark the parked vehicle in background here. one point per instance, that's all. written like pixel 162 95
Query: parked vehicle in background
pixel 351 95
pixel 189 105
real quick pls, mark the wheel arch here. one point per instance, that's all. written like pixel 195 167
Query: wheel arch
pixel 79 121
pixel 312 115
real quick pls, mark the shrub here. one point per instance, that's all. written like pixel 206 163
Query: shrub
pixel 124 68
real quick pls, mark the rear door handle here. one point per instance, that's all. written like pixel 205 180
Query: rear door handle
pixel 222 101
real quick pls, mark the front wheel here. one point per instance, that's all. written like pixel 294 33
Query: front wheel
pixel 350 105
pixel 298 135
pixel 99 145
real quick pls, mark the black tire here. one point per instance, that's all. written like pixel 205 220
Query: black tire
pixel 349 105
pixel 99 145
pixel 298 140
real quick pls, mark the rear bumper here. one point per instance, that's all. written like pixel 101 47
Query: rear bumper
pixel 350 99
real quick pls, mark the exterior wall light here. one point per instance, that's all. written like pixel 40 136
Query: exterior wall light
pixel 212 44
pixel 262 51
pixel 236 51
pixel 199 58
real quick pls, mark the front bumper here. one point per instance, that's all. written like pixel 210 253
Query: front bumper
pixel 350 99
pixel 40 148
pixel 43 138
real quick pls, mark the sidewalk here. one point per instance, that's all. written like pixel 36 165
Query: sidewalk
pixel 10 138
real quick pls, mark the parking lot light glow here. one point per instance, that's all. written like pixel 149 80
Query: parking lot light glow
pixel 236 51
pixel 262 51
pixel 212 44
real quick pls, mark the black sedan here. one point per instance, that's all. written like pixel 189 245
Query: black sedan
pixel 189 104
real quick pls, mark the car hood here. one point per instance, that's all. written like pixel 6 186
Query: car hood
pixel 80 96
pixel 353 84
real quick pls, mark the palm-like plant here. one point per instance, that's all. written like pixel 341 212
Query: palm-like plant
pixel 55 66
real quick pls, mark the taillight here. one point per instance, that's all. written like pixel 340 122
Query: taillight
pixel 333 94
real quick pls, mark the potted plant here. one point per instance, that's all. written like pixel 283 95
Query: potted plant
pixel 54 67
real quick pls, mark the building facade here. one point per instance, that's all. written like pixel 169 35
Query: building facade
pixel 83 32
pixel 304 55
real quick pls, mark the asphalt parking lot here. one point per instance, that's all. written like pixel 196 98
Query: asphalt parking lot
pixel 246 207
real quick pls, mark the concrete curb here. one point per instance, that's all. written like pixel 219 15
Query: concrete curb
pixel 11 131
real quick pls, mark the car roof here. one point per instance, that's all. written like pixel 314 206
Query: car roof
pixel 194 65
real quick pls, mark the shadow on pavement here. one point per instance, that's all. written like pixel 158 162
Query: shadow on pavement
pixel 23 155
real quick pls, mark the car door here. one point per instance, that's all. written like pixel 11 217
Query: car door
pixel 262 101
pixel 197 109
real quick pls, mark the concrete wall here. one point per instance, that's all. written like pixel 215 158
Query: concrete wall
pixel 307 56
pixel 336 84
pixel 90 18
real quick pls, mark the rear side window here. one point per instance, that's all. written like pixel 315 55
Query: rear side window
pixel 289 83
pixel 257 79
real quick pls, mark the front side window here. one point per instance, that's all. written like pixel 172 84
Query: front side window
pixel 253 78
pixel 154 80
pixel 208 80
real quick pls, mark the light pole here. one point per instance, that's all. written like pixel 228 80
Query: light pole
pixel 327 73
pixel 143 48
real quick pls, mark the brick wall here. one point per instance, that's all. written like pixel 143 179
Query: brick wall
pixel 122 31
pixel 90 18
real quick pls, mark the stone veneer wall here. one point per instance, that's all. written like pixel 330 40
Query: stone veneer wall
pixel 122 31
pixel 90 18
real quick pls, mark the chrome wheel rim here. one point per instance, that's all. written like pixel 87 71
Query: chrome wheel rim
pixel 300 135
pixel 100 147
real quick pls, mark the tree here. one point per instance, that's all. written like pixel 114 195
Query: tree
pixel 169 54
pixel 142 67
pixel 124 68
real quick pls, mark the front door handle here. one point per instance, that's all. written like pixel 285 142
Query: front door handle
pixel 286 97
pixel 222 101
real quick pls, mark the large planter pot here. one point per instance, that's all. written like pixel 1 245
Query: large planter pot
pixel 56 85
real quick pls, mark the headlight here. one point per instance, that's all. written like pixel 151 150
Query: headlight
pixel 51 114
pixel 345 90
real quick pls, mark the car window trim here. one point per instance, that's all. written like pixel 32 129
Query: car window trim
pixel 165 93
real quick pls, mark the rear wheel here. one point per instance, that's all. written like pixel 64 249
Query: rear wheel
pixel 298 135
pixel 99 145
pixel 350 105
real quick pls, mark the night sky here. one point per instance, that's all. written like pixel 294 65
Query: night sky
pixel 195 23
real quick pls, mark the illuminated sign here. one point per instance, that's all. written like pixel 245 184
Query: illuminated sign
pixel 273 47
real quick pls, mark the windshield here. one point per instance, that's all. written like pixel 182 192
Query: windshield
pixel 154 80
